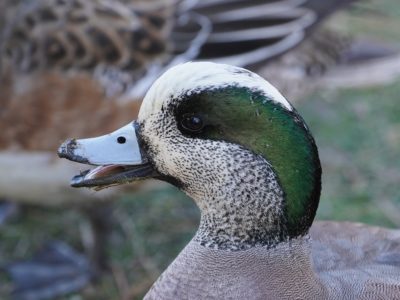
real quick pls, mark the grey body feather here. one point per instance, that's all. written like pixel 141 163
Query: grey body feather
pixel 339 261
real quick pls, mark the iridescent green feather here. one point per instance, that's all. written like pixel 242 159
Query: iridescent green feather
pixel 242 116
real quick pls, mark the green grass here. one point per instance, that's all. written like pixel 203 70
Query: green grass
pixel 358 134
pixel 149 230
pixel 377 19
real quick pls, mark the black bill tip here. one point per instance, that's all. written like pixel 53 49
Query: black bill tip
pixel 67 150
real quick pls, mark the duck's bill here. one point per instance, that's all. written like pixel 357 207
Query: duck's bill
pixel 117 155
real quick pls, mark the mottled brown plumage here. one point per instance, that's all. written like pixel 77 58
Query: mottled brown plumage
pixel 120 42
pixel 81 35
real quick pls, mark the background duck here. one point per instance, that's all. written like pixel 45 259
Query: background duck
pixel 239 149
pixel 142 38
pixel 89 82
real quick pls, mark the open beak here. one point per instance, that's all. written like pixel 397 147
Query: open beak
pixel 118 157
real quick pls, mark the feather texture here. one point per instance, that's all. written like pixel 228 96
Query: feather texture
pixel 342 261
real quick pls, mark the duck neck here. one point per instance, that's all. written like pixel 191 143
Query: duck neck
pixel 256 273
pixel 244 208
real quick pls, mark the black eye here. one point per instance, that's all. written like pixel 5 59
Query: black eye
pixel 192 123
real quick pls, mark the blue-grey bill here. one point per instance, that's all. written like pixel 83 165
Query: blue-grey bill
pixel 117 155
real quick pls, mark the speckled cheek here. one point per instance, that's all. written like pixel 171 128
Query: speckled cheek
pixel 164 144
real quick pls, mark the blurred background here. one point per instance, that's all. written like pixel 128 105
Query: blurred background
pixel 345 83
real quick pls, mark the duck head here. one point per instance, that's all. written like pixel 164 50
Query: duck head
pixel 228 139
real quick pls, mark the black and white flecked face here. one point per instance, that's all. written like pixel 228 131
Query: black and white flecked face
pixel 237 190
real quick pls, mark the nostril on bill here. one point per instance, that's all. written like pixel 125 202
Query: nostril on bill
pixel 121 140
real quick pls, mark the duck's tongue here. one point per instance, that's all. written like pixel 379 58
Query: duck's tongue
pixel 117 155
pixel 103 171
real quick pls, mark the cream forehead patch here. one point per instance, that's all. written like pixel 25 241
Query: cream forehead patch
pixel 195 76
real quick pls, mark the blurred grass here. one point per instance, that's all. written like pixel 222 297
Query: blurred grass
pixel 377 19
pixel 150 228
pixel 358 134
